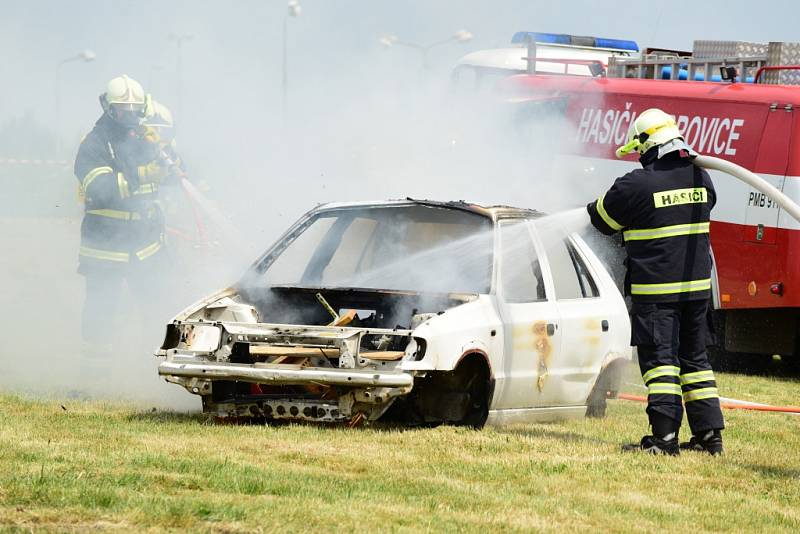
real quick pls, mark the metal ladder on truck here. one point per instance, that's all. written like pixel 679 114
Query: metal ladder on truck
pixel 669 67
pixel 715 61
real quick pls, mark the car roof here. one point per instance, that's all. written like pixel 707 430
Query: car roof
pixel 493 212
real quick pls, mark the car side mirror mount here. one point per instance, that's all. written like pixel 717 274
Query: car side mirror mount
pixel 597 69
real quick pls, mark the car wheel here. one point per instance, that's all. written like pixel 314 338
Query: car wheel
pixel 459 397
pixel 478 384
pixel 607 385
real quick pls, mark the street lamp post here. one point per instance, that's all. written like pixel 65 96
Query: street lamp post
pixel 85 56
pixel 179 40
pixel 461 36
pixel 293 10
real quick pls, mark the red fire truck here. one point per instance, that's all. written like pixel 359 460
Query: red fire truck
pixel 756 245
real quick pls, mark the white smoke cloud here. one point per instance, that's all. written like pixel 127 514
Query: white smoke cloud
pixel 361 123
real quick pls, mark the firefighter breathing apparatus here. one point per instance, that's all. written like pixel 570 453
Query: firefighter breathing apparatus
pixel 125 101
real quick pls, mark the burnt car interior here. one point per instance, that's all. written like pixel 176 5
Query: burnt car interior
pixel 391 263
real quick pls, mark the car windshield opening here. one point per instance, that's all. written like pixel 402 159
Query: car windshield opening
pixel 406 248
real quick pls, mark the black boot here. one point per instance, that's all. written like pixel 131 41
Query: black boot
pixel 655 445
pixel 710 442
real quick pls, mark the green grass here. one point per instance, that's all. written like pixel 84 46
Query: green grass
pixel 108 466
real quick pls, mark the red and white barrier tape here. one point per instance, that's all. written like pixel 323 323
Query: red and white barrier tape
pixel 14 161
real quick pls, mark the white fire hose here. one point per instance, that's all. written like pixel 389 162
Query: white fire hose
pixel 751 179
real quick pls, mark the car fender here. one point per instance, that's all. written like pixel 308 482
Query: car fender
pixel 471 327
pixel 476 346
pixel 201 304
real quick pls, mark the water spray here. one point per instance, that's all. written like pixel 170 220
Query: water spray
pixel 200 203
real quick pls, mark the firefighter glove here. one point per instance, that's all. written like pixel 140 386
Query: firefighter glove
pixel 151 134
pixel 153 172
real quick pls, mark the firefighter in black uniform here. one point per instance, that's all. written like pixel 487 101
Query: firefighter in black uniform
pixel 122 233
pixel 663 211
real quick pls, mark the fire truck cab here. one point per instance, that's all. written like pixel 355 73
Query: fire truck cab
pixel 756 278
pixel 554 54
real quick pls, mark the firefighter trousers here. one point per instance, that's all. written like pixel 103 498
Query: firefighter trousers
pixel 671 341
pixel 105 293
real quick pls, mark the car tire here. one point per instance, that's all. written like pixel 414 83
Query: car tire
pixel 459 397
pixel 475 378
pixel 607 385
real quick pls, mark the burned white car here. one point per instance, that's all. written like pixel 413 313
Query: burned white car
pixel 414 311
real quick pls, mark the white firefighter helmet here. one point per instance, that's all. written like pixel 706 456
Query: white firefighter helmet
pixel 124 101
pixel 159 122
pixel 651 128
pixel 159 115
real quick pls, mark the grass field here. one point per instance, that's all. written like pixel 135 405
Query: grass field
pixel 68 465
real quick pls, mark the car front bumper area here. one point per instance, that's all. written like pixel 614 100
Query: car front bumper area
pixel 274 371
pixel 359 393
pixel 185 368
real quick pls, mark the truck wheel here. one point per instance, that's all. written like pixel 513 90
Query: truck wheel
pixel 732 362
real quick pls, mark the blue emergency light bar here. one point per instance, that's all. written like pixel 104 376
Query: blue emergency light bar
pixel 575 40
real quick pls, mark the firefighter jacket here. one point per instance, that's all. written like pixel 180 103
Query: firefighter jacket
pixel 122 222
pixel 663 211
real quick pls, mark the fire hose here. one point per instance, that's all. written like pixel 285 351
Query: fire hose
pixel 728 405
pixel 756 182
pixel 200 238
pixel 751 179
pixel 202 209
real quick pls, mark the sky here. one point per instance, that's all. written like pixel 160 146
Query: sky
pixel 232 64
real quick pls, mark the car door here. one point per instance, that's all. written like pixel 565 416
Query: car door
pixel 531 335
pixel 586 323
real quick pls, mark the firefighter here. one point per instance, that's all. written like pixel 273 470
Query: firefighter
pixel 663 212
pixel 159 128
pixel 122 232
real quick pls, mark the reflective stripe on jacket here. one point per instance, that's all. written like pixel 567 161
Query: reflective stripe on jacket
pixel 663 212
pixel 122 218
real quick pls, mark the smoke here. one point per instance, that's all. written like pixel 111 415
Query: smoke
pixel 359 123
pixel 461 266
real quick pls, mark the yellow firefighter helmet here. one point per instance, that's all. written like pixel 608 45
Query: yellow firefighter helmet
pixel 651 128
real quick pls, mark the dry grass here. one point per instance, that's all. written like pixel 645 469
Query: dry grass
pixel 99 466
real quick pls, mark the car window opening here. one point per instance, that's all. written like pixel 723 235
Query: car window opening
pixel 587 283
pixel 521 277
pixel 570 275
pixel 395 265
pixel 407 248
